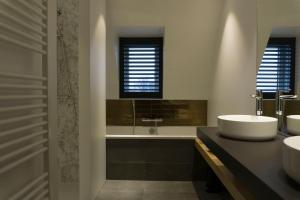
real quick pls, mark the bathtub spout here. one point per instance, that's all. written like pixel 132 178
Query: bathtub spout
pixel 153 130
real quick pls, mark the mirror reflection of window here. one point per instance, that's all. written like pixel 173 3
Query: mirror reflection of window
pixel 277 69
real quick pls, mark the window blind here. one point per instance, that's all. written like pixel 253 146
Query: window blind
pixel 276 71
pixel 141 67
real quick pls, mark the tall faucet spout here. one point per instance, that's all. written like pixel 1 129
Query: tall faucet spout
pixel 280 99
pixel 259 102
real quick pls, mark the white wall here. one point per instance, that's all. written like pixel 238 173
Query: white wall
pixel 98 93
pixel 92 58
pixel 234 77
pixel 190 31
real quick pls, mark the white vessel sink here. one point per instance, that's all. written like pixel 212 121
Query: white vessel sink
pixel 247 127
pixel 293 124
pixel 291 157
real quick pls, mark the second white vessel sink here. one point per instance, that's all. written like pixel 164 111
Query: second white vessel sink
pixel 247 127
pixel 293 124
pixel 291 157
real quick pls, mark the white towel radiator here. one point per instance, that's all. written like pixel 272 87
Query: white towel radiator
pixel 26 130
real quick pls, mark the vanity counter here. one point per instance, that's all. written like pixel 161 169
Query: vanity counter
pixel 257 165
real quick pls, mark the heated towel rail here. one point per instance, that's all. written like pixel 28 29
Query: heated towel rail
pixel 24 130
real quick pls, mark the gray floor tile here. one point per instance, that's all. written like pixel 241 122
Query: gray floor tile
pixel 120 195
pixel 154 190
pixel 123 185
pixel 113 184
pixel 169 186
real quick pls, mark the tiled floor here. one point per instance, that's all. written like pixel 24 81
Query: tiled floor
pixel 154 190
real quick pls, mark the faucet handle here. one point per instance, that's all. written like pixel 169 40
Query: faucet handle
pixel 258 95
pixel 254 96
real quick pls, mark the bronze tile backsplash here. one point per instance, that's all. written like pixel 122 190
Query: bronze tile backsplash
pixel 269 108
pixel 173 112
pixel 292 107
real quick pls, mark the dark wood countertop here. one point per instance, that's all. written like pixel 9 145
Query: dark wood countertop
pixel 258 165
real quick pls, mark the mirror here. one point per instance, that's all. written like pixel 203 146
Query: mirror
pixel 281 14
pixel 280 66
pixel 277 25
pixel 292 33
pixel 281 20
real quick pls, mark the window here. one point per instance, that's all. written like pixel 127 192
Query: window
pixel 277 70
pixel 141 67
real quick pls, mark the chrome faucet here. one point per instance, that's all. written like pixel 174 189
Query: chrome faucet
pixel 280 100
pixel 259 102
pixel 153 130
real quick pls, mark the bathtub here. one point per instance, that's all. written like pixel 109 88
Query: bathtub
pixel 142 132
pixel 167 156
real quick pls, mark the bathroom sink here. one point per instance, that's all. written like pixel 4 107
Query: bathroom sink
pixel 247 127
pixel 293 124
pixel 291 157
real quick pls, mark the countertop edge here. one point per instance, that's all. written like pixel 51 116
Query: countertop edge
pixel 256 186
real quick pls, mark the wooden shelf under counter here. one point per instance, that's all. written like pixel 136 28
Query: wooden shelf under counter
pixel 248 168
pixel 232 184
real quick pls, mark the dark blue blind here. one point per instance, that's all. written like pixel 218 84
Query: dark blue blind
pixel 276 71
pixel 141 67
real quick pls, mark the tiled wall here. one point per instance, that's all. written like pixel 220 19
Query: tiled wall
pixel 292 107
pixel 173 112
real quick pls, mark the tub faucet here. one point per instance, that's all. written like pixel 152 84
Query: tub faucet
pixel 259 102
pixel 153 130
pixel 280 100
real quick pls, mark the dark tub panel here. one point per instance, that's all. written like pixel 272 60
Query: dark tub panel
pixel 146 159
